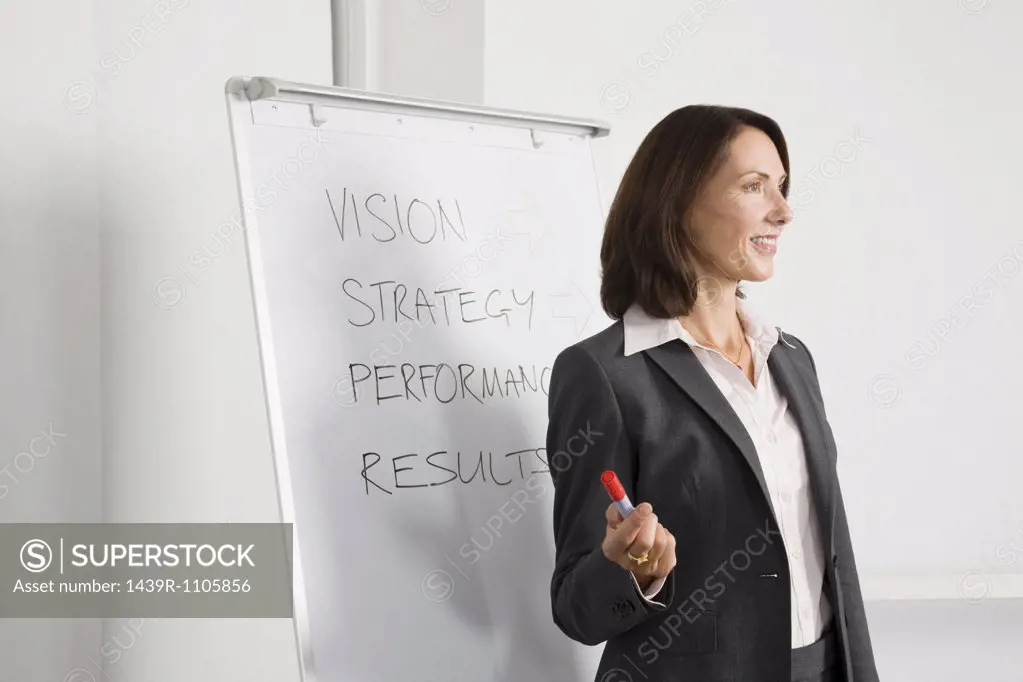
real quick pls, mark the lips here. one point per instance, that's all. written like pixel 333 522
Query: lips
pixel 767 244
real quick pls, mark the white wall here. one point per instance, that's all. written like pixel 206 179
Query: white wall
pixel 913 97
pixel 427 48
pixel 184 426
pixel 50 459
pixel 118 161
pixel 119 172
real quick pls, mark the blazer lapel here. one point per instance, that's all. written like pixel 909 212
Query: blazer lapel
pixel 793 385
pixel 677 359
pixel 681 364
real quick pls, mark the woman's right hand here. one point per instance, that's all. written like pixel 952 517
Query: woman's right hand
pixel 639 534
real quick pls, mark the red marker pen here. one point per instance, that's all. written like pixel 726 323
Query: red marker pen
pixel 617 492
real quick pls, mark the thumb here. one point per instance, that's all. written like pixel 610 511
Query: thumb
pixel 644 509
pixel 628 529
pixel 638 516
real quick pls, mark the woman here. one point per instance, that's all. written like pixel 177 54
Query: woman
pixel 737 564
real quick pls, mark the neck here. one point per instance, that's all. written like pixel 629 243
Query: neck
pixel 714 319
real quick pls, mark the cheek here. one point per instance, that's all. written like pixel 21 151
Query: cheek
pixel 746 222
pixel 733 248
pixel 732 235
pixel 730 227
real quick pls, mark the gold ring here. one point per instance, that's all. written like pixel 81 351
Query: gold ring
pixel 639 559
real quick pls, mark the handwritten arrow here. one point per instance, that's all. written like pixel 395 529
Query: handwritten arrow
pixel 576 304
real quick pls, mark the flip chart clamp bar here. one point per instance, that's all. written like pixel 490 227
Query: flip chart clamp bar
pixel 257 88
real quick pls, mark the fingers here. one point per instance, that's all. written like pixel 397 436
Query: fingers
pixel 662 554
pixel 643 544
pixel 669 558
pixel 655 551
pixel 661 557
pixel 612 516
pixel 639 534
pixel 624 535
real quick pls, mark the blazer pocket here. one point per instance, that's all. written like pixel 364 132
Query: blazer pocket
pixel 683 634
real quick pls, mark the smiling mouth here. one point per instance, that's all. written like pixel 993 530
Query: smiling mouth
pixel 765 243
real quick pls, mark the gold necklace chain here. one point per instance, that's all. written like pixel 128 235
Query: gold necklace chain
pixel 742 347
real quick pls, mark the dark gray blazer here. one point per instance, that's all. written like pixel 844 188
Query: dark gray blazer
pixel 658 420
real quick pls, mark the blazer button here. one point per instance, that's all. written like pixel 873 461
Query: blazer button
pixel 834 560
pixel 623 608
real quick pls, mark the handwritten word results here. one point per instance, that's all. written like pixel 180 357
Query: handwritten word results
pixel 445 383
pixel 386 474
pixel 390 301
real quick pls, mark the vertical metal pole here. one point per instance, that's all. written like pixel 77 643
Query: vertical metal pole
pixel 353 41
pixel 339 42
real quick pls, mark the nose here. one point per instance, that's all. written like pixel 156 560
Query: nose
pixel 782 213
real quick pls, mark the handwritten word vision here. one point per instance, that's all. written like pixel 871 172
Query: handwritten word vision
pixel 393 301
pixel 379 215
pixel 445 383
pixel 383 474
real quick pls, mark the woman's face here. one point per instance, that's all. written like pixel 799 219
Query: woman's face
pixel 737 218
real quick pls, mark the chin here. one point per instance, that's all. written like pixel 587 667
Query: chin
pixel 755 266
pixel 757 272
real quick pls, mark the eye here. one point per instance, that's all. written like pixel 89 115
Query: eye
pixel 757 183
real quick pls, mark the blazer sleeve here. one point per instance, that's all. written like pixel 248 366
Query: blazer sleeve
pixel 860 648
pixel 593 599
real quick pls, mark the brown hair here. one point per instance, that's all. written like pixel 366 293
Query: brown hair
pixel 647 252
